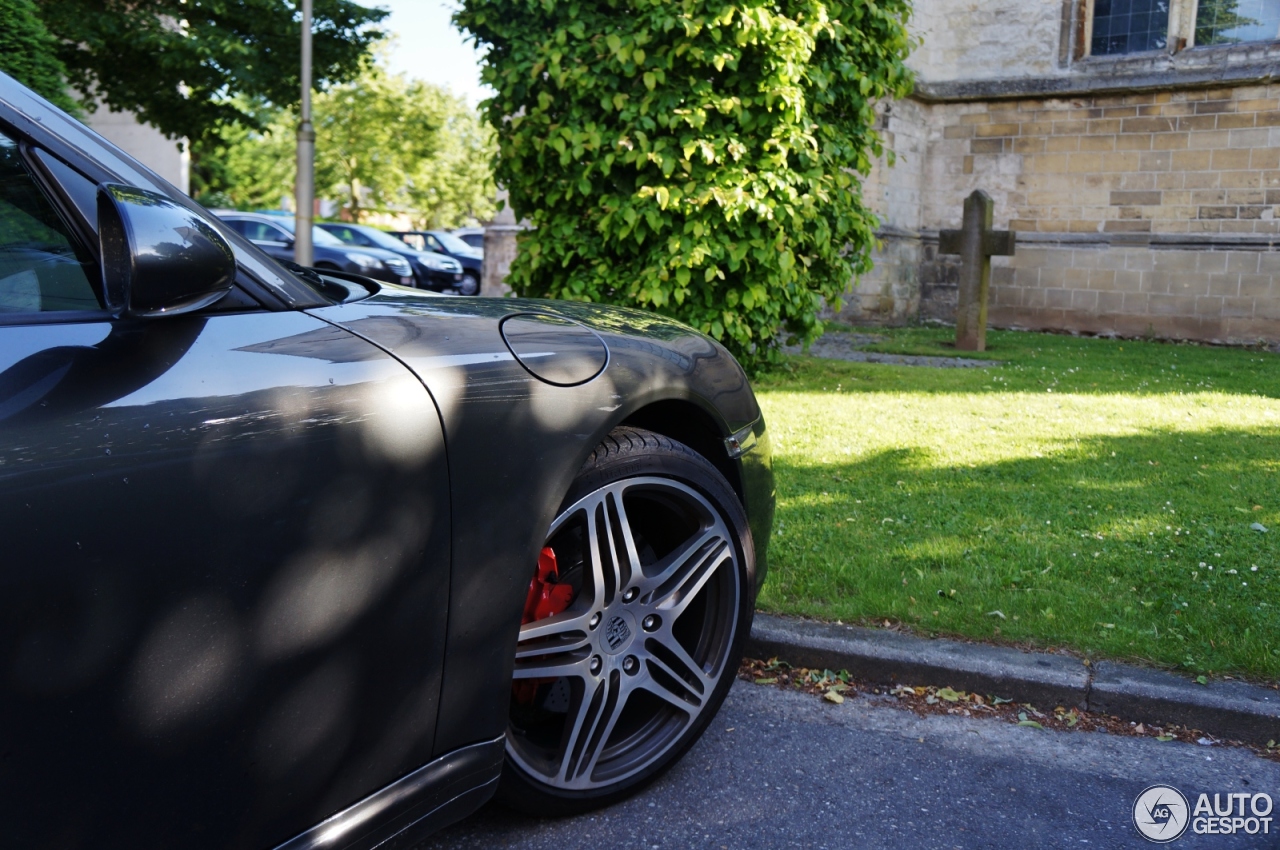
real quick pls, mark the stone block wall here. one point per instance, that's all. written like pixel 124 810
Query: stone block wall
pixel 1138 213
pixel 1178 292
pixel 1200 161
pixel 1170 290
pixel 890 292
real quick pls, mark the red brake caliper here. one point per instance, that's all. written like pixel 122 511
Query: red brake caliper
pixel 547 597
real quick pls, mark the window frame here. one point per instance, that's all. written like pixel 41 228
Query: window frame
pixel 1181 36
pixel 78 232
pixel 33 122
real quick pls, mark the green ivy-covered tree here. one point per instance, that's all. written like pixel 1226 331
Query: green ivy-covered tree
pixel 28 53
pixel 699 158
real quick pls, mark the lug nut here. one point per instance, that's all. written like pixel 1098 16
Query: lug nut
pixel 631 664
pixel 595 664
pixel 651 622
pixel 631 594
pixel 595 619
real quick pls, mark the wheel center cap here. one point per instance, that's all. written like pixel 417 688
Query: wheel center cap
pixel 619 631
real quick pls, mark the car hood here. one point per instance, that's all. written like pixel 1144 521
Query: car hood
pixel 457 347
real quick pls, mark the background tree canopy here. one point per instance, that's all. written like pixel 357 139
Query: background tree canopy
pixel 28 53
pixel 383 142
pixel 699 158
pixel 190 67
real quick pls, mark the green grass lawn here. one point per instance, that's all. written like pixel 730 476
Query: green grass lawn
pixel 1091 494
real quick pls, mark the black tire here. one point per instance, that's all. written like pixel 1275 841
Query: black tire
pixel 651 642
pixel 470 284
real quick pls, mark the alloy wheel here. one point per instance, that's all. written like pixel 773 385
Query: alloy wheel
pixel 605 688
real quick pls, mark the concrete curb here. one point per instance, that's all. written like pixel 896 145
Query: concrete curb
pixel 1233 710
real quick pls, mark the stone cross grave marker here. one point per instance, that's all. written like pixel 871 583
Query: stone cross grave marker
pixel 976 243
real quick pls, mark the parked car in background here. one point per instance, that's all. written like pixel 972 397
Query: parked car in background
pixel 250 594
pixel 443 242
pixel 433 270
pixel 274 234
pixel 473 236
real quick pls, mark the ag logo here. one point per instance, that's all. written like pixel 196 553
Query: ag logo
pixel 617 632
pixel 1161 814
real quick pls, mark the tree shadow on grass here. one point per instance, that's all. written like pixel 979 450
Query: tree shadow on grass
pixel 1104 547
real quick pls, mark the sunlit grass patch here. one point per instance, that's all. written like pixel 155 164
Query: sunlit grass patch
pixel 1066 497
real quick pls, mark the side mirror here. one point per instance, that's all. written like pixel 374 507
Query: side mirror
pixel 158 257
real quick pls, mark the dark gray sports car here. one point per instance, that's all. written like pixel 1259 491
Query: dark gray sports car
pixel 307 560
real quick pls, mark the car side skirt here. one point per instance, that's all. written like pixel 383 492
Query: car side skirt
pixel 435 795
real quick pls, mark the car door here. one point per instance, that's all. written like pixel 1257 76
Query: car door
pixel 434 244
pixel 275 241
pixel 226 554
pixel 351 236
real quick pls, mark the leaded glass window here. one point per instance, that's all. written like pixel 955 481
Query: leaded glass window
pixel 1130 26
pixel 1236 21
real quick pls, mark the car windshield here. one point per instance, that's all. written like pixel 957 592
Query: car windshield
pixel 451 243
pixel 383 240
pixel 318 236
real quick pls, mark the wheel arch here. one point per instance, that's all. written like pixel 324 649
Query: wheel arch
pixel 688 423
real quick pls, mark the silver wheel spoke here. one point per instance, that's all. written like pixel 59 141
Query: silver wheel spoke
pixel 623 543
pixel 683 583
pixel 670 567
pixel 680 665
pixel 594 721
pixel 613 551
pixel 680 693
pixel 559 626
pixel 552 648
pixel 549 668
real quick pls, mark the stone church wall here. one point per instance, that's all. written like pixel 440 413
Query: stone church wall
pixel 1152 212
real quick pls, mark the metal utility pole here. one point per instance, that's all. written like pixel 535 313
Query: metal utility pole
pixel 304 188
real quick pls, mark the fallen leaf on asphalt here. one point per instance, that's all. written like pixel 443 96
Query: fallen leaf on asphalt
pixel 832 696
pixel 1164 739
pixel 1202 680
pixel 950 695
pixel 769 681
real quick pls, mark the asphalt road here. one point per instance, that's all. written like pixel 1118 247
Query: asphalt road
pixel 781 769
